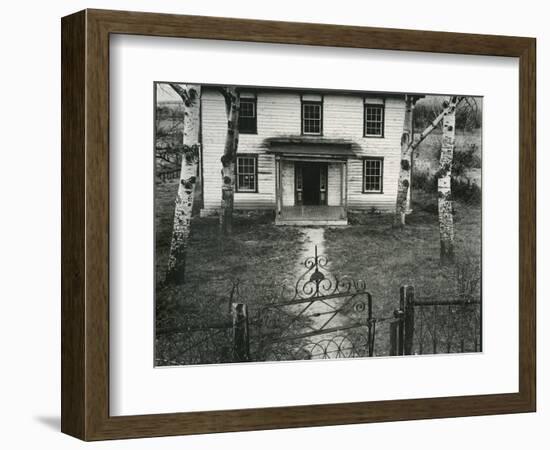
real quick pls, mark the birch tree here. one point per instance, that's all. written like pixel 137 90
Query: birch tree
pixel 404 179
pixel 232 106
pixel 444 193
pixel 190 95
pixel 409 145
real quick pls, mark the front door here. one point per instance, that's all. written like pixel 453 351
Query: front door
pixel 311 183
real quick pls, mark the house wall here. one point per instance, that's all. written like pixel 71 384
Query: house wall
pixel 279 114
pixel 344 119
pixel 287 183
pixel 334 185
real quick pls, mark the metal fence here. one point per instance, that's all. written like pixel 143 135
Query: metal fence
pixel 445 323
pixel 322 316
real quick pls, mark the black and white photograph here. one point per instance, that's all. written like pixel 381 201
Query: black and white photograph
pixel 275 225
pixel 306 224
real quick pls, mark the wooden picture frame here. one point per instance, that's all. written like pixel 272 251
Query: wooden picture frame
pixel 85 224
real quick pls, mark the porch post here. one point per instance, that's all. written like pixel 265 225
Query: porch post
pixel 278 203
pixel 345 185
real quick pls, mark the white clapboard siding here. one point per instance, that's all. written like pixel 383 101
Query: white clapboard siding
pixel 334 186
pixel 279 114
pixel 344 119
pixel 287 182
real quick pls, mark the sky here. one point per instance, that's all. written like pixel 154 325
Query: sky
pixel 166 94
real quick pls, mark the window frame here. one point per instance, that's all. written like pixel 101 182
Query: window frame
pixel 382 105
pixel 321 119
pixel 253 156
pixel 254 101
pixel 363 178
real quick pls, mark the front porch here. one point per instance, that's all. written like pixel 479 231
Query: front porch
pixel 312 215
pixel 310 180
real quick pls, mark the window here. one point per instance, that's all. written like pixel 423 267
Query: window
pixel 373 169
pixel 374 120
pixel 247 174
pixel 312 117
pixel 247 116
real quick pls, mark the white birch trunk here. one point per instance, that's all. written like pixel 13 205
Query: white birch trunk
pixel 190 95
pixel 404 179
pixel 445 204
pixel 232 103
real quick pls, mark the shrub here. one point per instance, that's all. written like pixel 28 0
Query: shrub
pixel 466 191
pixel 462 189
pixel 465 159
pixel 424 181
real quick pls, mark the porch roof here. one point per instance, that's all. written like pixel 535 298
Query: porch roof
pixel 310 146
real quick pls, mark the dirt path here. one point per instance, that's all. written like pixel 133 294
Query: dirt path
pixel 318 312
pixel 313 237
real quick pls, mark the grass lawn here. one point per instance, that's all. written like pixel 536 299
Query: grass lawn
pixel 257 254
pixel 386 258
pixel 262 254
pixel 257 251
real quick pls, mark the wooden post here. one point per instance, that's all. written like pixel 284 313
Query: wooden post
pixel 372 325
pixel 280 181
pixel 400 324
pixel 434 329
pixel 345 186
pixel 393 337
pixel 241 346
pixel 278 192
pixel 409 319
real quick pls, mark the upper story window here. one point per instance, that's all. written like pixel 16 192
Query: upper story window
pixel 248 116
pixel 247 173
pixel 374 118
pixel 312 116
pixel 373 173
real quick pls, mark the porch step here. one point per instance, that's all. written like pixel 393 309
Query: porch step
pixel 312 215
pixel 309 222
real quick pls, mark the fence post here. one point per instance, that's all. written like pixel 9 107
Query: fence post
pixel 372 325
pixel 241 346
pixel 400 324
pixel 408 319
pixel 394 326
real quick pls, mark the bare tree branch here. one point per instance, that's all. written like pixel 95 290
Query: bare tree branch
pixel 182 92
pixel 436 121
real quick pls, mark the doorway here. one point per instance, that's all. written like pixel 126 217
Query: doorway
pixel 311 183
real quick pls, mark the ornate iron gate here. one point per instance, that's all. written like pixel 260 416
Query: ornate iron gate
pixel 321 316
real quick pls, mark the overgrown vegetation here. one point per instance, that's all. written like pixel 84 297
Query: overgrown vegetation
pixel 462 189
pixel 257 254
pixel 466 171
pixel 262 256
pixel 387 259
pixel 468 114
pixel 168 136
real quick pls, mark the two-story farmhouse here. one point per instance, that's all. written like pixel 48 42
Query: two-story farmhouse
pixel 309 155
